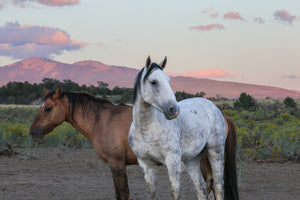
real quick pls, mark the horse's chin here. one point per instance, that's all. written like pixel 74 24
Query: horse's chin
pixel 38 139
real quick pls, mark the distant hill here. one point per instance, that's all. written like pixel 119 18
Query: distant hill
pixel 34 70
pixel 89 72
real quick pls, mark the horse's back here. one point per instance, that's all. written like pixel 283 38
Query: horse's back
pixel 200 108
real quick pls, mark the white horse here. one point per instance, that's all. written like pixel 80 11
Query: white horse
pixel 160 135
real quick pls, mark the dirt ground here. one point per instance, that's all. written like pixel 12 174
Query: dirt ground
pixel 52 173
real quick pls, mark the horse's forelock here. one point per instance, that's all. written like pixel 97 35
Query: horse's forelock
pixel 153 67
pixel 49 95
pixel 138 78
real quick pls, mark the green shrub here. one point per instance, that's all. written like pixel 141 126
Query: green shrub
pixel 263 133
pixel 15 134
pixel 245 101
pixel 289 102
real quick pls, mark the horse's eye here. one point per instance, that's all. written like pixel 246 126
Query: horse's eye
pixel 48 109
pixel 154 82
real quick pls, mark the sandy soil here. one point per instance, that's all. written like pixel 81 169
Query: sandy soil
pixel 46 173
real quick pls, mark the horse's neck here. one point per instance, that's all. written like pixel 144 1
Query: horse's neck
pixel 143 114
pixel 82 122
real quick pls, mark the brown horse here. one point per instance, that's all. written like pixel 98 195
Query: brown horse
pixel 106 125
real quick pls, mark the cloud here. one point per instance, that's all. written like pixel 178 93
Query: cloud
pixel 208 27
pixel 212 13
pixel 206 73
pixel 99 44
pixel 21 41
pixel 291 77
pixel 234 16
pixel 2 4
pixel 284 16
pixel 259 20
pixel 58 2
pixel 25 3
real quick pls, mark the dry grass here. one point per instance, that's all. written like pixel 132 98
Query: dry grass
pixel 18 106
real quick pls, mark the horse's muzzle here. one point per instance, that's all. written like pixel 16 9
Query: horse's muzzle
pixel 36 134
pixel 172 112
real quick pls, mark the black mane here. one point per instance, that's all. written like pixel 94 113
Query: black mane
pixel 80 99
pixel 138 78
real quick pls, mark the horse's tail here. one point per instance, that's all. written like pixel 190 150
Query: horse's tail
pixel 230 171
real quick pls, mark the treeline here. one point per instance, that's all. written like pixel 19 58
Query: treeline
pixel 27 93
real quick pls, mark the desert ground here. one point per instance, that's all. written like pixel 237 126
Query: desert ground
pixel 59 173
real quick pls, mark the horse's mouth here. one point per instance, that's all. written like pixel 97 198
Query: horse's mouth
pixel 37 135
pixel 170 117
pixel 37 139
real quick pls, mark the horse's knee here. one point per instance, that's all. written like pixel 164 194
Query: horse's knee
pixel 218 191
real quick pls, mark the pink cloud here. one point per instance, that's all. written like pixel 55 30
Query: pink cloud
pixel 19 41
pixel 206 73
pixel 284 16
pixel 99 44
pixel 58 2
pixel 234 16
pixel 208 27
pixel 24 3
pixel 212 13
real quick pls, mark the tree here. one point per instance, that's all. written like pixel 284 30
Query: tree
pixel 245 101
pixel 69 85
pixel 102 84
pixel 51 84
pixel 117 91
pixel 103 89
pixel 289 102
pixel 182 95
pixel 201 94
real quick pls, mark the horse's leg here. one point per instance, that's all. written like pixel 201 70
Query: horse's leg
pixel 119 175
pixel 206 171
pixel 173 164
pixel 192 167
pixel 149 175
pixel 216 159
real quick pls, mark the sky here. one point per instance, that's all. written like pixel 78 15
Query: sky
pixel 256 42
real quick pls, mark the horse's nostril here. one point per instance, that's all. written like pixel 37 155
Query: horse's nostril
pixel 171 109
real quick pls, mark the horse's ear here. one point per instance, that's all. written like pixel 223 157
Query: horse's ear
pixel 163 63
pixel 58 93
pixel 46 91
pixel 148 62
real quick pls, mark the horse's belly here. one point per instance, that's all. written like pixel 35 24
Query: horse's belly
pixel 191 147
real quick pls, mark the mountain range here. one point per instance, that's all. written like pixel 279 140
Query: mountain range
pixel 88 72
